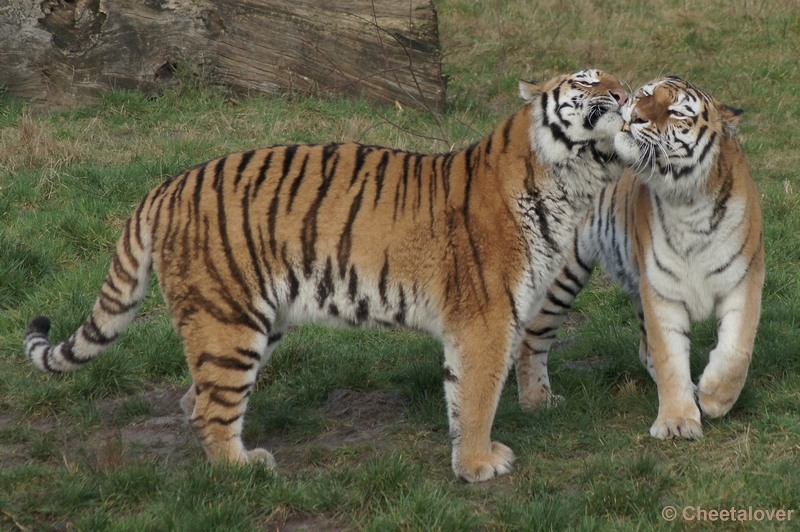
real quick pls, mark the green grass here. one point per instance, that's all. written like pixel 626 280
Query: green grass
pixel 70 177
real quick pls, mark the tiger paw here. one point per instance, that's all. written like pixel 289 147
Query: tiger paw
pixel 667 428
pixel 548 400
pixel 715 398
pixel 497 462
pixel 262 455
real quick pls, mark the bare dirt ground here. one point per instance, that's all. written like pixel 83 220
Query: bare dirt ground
pixel 351 419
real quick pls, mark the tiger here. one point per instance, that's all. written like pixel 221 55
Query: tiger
pixel 459 245
pixel 681 232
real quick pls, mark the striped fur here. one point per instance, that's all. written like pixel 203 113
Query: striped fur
pixel 462 245
pixel 682 234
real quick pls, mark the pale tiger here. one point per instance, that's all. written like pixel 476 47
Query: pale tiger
pixel 682 233
pixel 462 245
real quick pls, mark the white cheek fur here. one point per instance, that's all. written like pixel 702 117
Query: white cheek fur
pixel 627 149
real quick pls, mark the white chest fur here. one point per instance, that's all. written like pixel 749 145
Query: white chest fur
pixel 695 257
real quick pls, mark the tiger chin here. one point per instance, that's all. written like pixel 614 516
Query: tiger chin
pixel 461 245
pixel 682 233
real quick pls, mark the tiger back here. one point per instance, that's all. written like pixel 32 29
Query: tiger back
pixel 461 245
pixel 682 234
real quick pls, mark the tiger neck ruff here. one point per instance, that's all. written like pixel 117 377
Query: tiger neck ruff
pixel 462 245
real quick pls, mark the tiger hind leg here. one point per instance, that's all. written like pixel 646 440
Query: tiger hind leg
pixel 533 380
pixel 224 361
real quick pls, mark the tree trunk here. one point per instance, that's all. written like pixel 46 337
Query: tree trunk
pixel 68 50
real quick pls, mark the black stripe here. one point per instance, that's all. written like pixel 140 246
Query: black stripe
pixel 117 306
pixel 557 302
pixel 400 316
pixel 68 353
pixel 255 258
pixel 380 174
pixel 216 397
pixel 325 284
pixel 246 156
pixel 467 218
pixel 249 353
pixel 262 172
pixel 272 212
pixel 294 284
pixel 384 277
pixel 507 133
pixel 223 362
pixel 352 287
pixel 542 332
pixel 432 183
pixel 583 265
pixel 222 421
pixel 91 332
pixel 568 289
pixel 362 311
pixel 513 305
pixel 574 278
pixel 309 232
pixel 346 239
pixel 296 183
pixel 233 266
pixel 288 156
pixel 126 245
pixel 361 155
pixel 219 173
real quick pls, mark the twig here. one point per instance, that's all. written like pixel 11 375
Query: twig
pixel 14 519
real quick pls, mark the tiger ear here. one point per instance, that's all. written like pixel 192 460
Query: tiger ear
pixel 529 90
pixel 730 117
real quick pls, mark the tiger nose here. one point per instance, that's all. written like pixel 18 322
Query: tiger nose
pixel 620 96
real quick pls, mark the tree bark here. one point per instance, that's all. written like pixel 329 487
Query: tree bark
pixel 71 50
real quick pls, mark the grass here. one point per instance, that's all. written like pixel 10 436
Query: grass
pixel 69 177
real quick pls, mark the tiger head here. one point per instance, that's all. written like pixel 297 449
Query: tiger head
pixel 673 129
pixel 575 114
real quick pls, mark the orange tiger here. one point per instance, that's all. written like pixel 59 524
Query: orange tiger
pixel 682 233
pixel 461 245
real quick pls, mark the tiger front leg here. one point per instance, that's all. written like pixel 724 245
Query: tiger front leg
pixel 724 376
pixel 476 366
pixel 224 361
pixel 668 324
